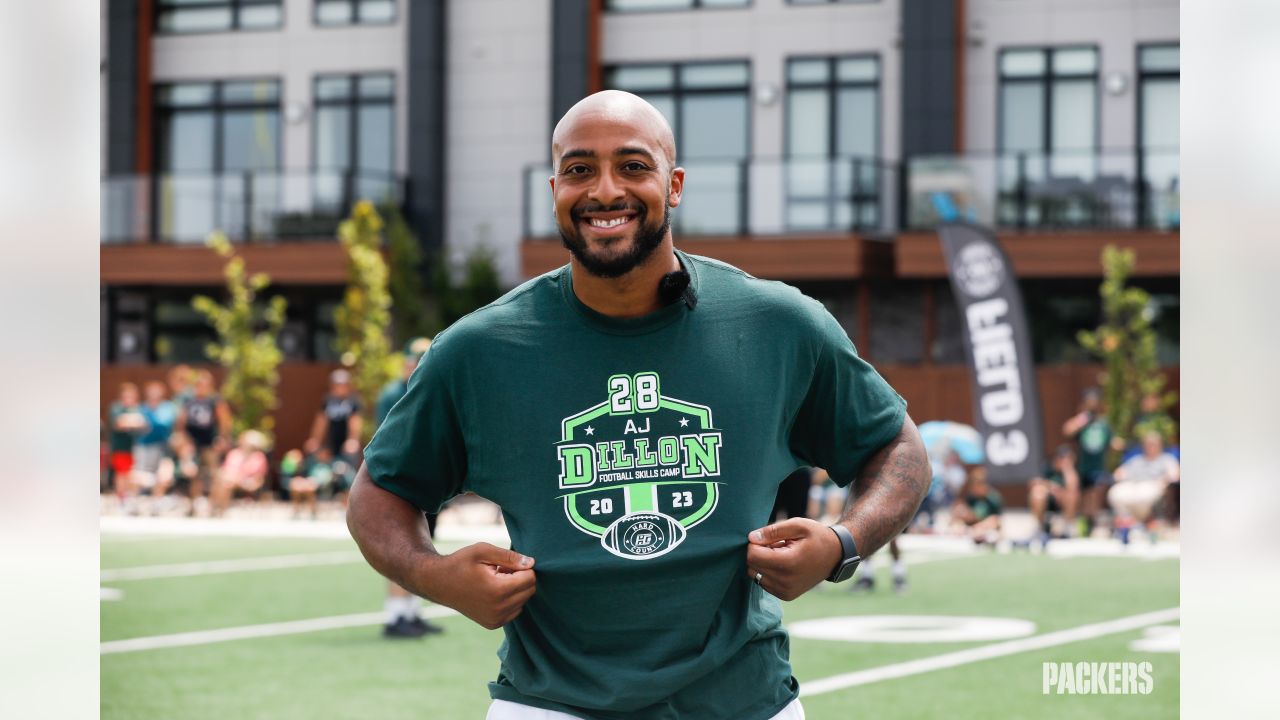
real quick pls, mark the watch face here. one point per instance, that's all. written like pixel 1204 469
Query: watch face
pixel 845 571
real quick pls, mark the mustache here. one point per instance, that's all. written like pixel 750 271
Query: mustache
pixel 595 207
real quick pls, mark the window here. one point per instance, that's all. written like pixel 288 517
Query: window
pixel 193 16
pixel 1158 81
pixel 708 106
pixel 625 5
pixel 1048 136
pixel 355 12
pixel 218 154
pixel 354 138
pixel 832 142
pixel 897 323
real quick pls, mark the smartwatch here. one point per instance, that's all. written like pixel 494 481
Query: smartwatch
pixel 849 555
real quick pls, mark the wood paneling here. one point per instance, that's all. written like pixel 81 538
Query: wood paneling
pixel 810 257
pixel 1048 254
pixel 321 262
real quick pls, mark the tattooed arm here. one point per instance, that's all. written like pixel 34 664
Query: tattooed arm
pixel 889 490
pixel 794 555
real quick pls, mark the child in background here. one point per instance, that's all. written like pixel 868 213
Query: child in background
pixel 302 489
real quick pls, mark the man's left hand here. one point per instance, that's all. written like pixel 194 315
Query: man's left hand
pixel 792 556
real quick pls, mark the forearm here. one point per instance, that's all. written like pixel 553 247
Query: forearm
pixel 888 491
pixel 391 533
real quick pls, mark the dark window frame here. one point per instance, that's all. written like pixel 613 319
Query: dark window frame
pixel 831 86
pixel 352 104
pixel 1139 144
pixel 678 91
pixel 1047 79
pixel 233 5
pixel 355 14
pixel 693 5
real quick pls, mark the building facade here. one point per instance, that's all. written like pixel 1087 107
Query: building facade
pixel 815 135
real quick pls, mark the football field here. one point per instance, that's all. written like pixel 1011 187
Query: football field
pixel 290 627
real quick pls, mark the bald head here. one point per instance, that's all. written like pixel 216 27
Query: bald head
pixel 614 109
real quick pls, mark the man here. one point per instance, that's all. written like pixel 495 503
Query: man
pixel 1140 484
pixel 1093 437
pixel 337 426
pixel 205 419
pixel 402 608
pixel 625 416
pixel 1057 489
pixel 152 446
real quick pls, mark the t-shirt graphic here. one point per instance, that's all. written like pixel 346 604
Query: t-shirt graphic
pixel 638 468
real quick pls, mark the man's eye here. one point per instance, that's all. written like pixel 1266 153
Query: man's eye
pixel 635 167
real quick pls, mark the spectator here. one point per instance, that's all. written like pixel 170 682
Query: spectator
pixel 1093 437
pixel 244 471
pixel 1140 483
pixel 181 385
pixel 125 423
pixel 338 424
pixel 206 420
pixel 976 513
pixel 1057 490
pixel 152 445
pixel 186 469
pixel 302 489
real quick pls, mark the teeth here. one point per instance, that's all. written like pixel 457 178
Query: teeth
pixel 596 222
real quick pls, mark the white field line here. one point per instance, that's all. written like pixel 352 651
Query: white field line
pixel 986 652
pixel 293 627
pixel 212 567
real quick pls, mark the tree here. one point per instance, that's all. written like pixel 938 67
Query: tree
pixel 479 287
pixel 246 345
pixel 365 314
pixel 409 311
pixel 1126 344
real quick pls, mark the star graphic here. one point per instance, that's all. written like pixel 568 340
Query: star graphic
pixel 684 422
pixel 591 430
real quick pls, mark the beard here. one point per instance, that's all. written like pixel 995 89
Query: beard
pixel 645 240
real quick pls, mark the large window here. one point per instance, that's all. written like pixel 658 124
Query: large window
pixel 832 142
pixel 219 153
pixel 192 16
pixel 355 12
pixel 672 4
pixel 354 137
pixel 708 106
pixel 1158 81
pixel 1048 134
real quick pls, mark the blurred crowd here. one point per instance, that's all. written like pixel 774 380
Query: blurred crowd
pixel 171 448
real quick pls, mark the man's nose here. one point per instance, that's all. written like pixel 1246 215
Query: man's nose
pixel 607 189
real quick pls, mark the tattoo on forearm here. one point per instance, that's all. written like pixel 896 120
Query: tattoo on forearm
pixel 889 491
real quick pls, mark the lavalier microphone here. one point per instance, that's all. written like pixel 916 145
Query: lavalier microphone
pixel 675 284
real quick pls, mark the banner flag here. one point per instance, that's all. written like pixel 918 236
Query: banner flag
pixel 997 342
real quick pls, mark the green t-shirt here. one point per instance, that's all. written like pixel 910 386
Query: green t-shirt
pixel 984 506
pixel 1094 439
pixel 631 457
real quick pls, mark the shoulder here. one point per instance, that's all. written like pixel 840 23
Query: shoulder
pixel 720 282
pixel 535 298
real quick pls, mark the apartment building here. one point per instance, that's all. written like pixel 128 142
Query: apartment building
pixel 814 134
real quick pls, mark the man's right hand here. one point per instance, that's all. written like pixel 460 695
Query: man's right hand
pixel 486 583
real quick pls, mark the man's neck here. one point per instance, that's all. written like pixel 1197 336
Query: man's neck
pixel 631 295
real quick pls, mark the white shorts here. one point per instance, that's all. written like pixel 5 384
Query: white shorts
pixel 506 710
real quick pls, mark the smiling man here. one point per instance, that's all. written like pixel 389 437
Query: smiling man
pixel 633 413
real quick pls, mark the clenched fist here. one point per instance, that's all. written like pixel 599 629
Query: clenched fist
pixel 484 582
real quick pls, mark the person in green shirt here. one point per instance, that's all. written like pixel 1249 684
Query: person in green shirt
pixel 976 513
pixel 1093 437
pixel 633 413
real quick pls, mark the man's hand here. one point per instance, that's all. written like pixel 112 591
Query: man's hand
pixel 792 556
pixel 484 582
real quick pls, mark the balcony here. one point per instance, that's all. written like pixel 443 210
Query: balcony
pixel 1109 190
pixel 761 197
pixel 183 208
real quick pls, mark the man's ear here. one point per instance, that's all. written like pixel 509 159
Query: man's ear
pixel 675 187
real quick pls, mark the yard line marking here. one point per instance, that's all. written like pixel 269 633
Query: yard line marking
pixel 212 567
pixel 986 652
pixel 244 632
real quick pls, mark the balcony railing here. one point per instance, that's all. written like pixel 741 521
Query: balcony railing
pixel 1120 189
pixel 183 208
pixel 762 196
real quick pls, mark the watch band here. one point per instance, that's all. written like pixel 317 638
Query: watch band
pixel 849 555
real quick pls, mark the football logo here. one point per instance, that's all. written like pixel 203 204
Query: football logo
pixel 643 536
